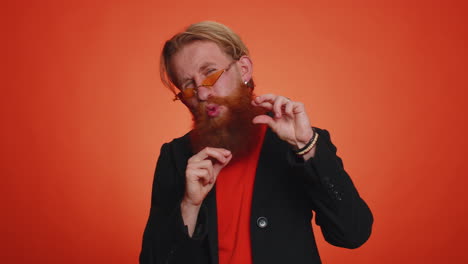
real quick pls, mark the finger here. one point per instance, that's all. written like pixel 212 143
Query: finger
pixel 266 105
pixel 265 98
pixel 278 104
pixel 298 107
pixel 201 175
pixel 288 109
pixel 217 167
pixel 218 154
pixel 208 165
pixel 263 119
pixel 202 164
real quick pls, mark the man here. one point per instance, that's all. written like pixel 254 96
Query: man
pixel 242 185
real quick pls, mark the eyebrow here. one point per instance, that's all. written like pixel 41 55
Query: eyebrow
pixel 202 68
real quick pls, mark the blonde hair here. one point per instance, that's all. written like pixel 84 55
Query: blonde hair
pixel 216 32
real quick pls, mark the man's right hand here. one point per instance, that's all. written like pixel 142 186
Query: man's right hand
pixel 200 176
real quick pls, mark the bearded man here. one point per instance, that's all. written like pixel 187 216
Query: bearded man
pixel 242 186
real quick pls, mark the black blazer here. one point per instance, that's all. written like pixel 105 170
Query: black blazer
pixel 286 192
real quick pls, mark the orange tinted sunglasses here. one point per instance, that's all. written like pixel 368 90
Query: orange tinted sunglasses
pixel 209 81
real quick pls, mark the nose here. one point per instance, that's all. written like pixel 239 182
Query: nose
pixel 204 92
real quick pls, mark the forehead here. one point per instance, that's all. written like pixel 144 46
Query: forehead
pixel 192 57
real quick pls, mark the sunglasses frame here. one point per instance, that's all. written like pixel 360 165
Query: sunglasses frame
pixel 209 81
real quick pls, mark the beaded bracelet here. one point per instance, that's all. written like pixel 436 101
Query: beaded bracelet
pixel 309 145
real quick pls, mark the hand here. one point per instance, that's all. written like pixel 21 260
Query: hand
pixel 201 173
pixel 290 121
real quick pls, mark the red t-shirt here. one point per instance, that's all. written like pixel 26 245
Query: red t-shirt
pixel 234 187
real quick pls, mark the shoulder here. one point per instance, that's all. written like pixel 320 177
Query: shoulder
pixel 176 153
pixel 179 143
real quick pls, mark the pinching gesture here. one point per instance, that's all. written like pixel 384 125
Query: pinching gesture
pixel 200 176
pixel 290 121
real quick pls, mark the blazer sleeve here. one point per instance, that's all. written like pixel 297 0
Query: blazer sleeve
pixel 343 216
pixel 165 239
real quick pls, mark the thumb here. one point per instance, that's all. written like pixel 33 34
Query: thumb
pixel 263 119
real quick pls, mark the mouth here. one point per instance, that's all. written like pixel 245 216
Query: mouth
pixel 213 110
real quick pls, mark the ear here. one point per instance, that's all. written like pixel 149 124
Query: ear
pixel 245 68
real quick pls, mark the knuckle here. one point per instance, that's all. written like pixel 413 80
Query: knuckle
pixel 188 174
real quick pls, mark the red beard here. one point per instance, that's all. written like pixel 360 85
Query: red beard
pixel 233 129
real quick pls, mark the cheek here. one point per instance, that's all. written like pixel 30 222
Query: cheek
pixel 191 104
pixel 225 87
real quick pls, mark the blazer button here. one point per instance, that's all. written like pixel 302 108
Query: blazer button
pixel 262 222
pixel 338 195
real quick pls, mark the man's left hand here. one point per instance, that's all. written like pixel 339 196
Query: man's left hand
pixel 290 121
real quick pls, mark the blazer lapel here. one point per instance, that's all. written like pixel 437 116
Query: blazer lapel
pixel 212 225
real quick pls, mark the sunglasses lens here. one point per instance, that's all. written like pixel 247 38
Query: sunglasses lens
pixel 188 93
pixel 211 80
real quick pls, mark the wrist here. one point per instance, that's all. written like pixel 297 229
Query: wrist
pixel 300 144
pixel 189 205
pixel 310 145
pixel 189 214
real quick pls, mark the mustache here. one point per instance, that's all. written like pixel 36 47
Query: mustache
pixel 232 102
pixel 227 100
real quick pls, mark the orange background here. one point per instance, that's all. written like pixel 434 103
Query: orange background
pixel 84 115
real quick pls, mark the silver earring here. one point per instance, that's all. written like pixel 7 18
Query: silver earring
pixel 245 82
